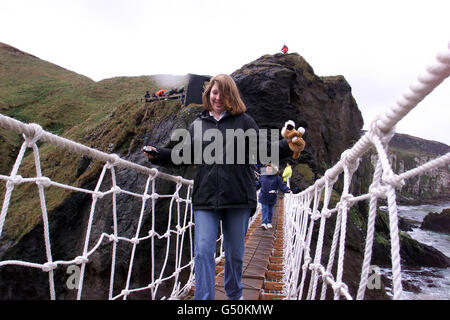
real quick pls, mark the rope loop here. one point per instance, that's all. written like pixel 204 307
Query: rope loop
pixel 345 201
pixel 308 211
pixel 125 292
pixel 180 229
pixel 155 173
pixel 317 267
pixel 36 134
pixel 339 286
pixel 146 197
pixel 329 178
pixel 113 238
pixel 352 165
pixel 14 180
pixel 154 196
pixel 393 180
pixel 44 181
pixel 327 213
pixel 81 259
pixel 116 159
pixel 327 275
pixel 316 215
pixel 116 189
pixel 97 195
pixel 47 267
pixel 375 131
pixel 307 262
pixel 377 191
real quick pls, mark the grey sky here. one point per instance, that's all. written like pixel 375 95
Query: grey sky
pixel 379 46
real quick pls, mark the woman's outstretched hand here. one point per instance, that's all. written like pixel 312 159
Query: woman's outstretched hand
pixel 150 151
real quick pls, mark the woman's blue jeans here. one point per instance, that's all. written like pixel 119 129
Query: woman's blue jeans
pixel 234 227
pixel 267 212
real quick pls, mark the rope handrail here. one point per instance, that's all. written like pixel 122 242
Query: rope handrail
pixel 35 132
pixel 298 209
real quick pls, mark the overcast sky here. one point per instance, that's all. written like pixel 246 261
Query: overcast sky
pixel 379 46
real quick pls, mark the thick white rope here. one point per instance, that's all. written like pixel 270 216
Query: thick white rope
pixel 384 184
pixel 35 132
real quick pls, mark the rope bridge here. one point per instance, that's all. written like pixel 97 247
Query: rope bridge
pixel 301 211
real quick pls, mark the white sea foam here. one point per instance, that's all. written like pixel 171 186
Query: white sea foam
pixel 434 283
pixel 418 213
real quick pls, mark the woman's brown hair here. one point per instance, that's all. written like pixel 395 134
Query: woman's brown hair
pixel 229 92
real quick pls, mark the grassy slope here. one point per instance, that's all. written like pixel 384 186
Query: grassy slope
pixel 67 104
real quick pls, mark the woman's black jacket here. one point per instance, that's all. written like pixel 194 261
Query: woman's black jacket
pixel 222 184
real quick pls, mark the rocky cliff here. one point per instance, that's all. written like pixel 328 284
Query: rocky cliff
pixel 438 222
pixel 406 153
pixel 276 88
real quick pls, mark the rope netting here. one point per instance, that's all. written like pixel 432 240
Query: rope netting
pixel 304 209
pixel 179 234
pixel 301 210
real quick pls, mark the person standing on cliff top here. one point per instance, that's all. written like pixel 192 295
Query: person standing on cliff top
pixel 285 49
pixel 222 191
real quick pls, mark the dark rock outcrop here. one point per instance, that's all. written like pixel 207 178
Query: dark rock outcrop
pixel 413 253
pixel 437 222
pixel 277 88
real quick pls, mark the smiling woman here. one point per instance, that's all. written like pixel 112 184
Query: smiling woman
pixel 223 96
pixel 222 191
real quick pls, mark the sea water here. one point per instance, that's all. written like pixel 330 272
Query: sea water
pixel 434 283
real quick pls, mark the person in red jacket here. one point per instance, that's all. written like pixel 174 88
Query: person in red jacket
pixel 160 93
pixel 285 49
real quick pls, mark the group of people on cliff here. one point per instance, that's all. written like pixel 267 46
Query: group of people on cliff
pixel 164 93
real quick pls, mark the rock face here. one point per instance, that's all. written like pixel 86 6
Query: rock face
pixel 406 153
pixel 413 253
pixel 437 222
pixel 277 88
